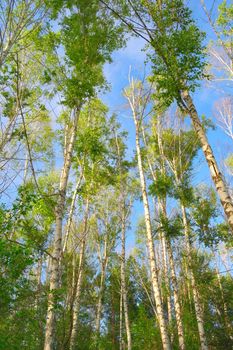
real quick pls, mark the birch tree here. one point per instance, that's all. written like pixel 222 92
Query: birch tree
pixel 177 57
pixel 76 33
pixel 179 158
pixel 125 208
pixel 133 97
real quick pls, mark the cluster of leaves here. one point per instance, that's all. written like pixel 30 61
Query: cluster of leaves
pixel 16 215
pixel 162 186
pixel 225 20
pixel 88 35
pixel 178 57
pixel 172 227
pixel 205 216
pixel 184 191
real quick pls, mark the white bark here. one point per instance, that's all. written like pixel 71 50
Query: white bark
pixel 196 299
pixel 100 296
pixel 225 308
pixel 76 305
pixel 38 277
pixel 138 105
pixel 150 242
pixel 123 296
pixel 170 253
pixel 166 279
pixel 49 342
pixel 216 175
pixel 123 280
pixel 70 217
pixel 176 297
pixel 121 322
pixel 162 241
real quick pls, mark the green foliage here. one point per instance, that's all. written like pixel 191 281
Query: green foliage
pixel 88 36
pixel 225 19
pixel 180 149
pixel 178 57
pixel 162 186
pixel 144 333
pixel 93 131
pixel 60 62
pixel 229 162
pixel 15 216
pixel 184 191
pixel 204 212
pixel 17 316
pixel 172 227
pixel 211 230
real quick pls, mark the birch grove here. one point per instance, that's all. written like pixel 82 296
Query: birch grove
pixel 116 168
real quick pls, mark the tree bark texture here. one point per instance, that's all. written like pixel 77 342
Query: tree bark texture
pixel 150 242
pixel 49 342
pixel 216 175
pixel 196 299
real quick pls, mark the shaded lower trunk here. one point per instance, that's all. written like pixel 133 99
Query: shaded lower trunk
pixel 78 285
pixel 150 243
pixel 123 283
pixel 49 342
pixel 176 297
pixel 100 298
pixel 76 304
pixel 225 309
pixel 177 306
pixel 196 299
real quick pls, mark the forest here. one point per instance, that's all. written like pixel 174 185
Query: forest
pixel 116 164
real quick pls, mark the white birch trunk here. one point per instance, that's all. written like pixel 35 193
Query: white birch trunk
pixel 216 175
pixel 197 304
pixel 76 305
pixel 150 242
pixel 38 273
pixel 138 105
pixel 166 279
pixel 123 281
pixel 121 322
pixel 167 244
pixel 70 217
pixel 49 342
pixel 176 297
pixel 225 309
pixel 100 297
pixel 168 249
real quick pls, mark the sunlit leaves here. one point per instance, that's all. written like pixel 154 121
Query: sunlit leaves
pixel 178 55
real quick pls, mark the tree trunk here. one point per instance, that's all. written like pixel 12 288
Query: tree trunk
pixel 76 305
pixel 70 217
pixel 113 321
pixel 150 243
pixel 39 284
pixel 168 248
pixel 197 304
pixel 216 175
pixel 121 322
pixel 166 280
pixel 100 297
pixel 176 297
pixel 225 310
pixel 49 342
pixel 123 280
